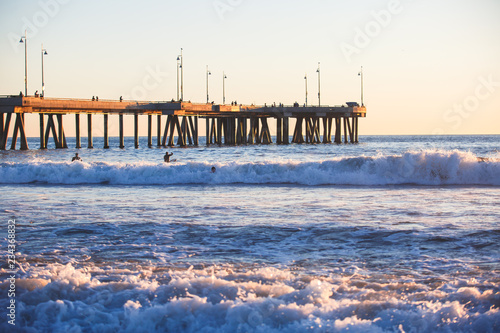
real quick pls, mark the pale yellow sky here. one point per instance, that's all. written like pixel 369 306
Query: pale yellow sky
pixel 431 67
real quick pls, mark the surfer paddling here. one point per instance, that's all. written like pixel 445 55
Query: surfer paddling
pixel 76 158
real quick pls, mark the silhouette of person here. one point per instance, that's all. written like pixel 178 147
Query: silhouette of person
pixel 166 158
pixel 213 169
pixel 76 158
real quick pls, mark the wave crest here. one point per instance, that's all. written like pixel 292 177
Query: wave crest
pixel 418 168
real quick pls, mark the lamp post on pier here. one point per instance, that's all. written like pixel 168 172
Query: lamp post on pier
pixel 319 85
pixel 305 78
pixel 24 39
pixel 208 73
pixel 224 77
pixel 178 67
pixel 181 59
pixel 44 53
pixel 361 75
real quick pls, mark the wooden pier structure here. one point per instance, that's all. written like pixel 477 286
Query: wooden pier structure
pixel 225 124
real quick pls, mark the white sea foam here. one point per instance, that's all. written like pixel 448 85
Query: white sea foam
pixel 63 298
pixel 429 167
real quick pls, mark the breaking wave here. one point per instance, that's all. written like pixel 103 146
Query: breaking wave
pixel 67 298
pixel 418 168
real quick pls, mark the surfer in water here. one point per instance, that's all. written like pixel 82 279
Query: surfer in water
pixel 76 158
pixel 166 158
pixel 213 169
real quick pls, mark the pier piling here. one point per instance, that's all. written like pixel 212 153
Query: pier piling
pixel 90 142
pixel 43 143
pixel 120 130
pixel 106 134
pixel 77 129
pixel 136 131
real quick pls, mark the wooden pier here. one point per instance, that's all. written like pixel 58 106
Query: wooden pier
pixel 225 124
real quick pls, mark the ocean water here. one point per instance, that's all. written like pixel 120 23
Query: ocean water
pixel 395 234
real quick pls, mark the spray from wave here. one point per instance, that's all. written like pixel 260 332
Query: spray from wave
pixel 418 168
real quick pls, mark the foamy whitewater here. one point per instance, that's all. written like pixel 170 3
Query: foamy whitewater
pixel 396 234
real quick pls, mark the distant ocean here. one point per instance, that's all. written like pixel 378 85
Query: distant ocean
pixel 395 234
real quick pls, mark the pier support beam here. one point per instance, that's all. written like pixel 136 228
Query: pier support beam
pixel 282 131
pixel 51 128
pixel 265 135
pixel 90 141
pixel 279 130
pixel 316 130
pixel 325 130
pixel 356 129
pixel 180 136
pixel 230 136
pixel 120 125
pixel 150 131
pixel 298 136
pixel 346 139
pixel 106 134
pixel 286 133
pixel 255 136
pixel 207 132
pixel 19 129
pixel 136 131
pixel 4 129
pixel 185 128
pixel 350 127
pixel 219 131
pixel 241 130
pixel 158 130
pixel 196 129
pixel 211 128
pixel 62 136
pixel 338 130
pixel 182 132
pixel 330 124
pixel 43 144
pixel 193 130
pixel 169 128
pixel 77 134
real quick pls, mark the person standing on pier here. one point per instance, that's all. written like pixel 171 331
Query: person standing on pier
pixel 166 158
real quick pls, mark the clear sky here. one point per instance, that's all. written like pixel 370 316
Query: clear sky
pixel 430 67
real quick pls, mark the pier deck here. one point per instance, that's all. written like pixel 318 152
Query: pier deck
pixel 225 124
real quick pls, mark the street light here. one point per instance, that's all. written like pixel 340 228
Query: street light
pixel 44 53
pixel 25 38
pixel 361 75
pixel 208 73
pixel 181 58
pixel 305 78
pixel 178 66
pixel 224 77
pixel 319 85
